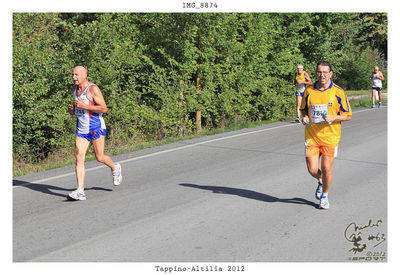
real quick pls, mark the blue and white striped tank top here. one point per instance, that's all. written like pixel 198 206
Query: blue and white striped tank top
pixel 87 121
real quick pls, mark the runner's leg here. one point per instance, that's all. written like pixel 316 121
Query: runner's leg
pixel 98 146
pixel 373 96
pixel 81 145
pixel 298 106
pixel 326 167
pixel 313 166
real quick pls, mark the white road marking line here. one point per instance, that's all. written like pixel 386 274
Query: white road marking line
pixel 169 151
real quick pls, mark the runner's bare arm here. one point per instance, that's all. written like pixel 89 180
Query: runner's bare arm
pixel 308 79
pixel 294 82
pixel 305 120
pixel 337 118
pixel 95 95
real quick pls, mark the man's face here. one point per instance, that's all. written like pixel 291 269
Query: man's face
pixel 376 69
pixel 299 70
pixel 324 74
pixel 78 75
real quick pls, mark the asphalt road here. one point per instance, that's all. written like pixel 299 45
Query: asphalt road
pixel 243 196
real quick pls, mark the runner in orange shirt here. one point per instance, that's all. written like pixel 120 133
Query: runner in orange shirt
pixel 324 107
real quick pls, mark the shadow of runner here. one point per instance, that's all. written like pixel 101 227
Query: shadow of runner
pixel 48 189
pixel 249 194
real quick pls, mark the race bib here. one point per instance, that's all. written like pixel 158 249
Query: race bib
pixel 317 112
pixel 79 111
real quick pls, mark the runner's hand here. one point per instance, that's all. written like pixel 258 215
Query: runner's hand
pixel 79 103
pixel 328 118
pixel 71 109
pixel 305 120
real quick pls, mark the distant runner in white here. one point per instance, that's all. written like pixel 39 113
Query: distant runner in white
pixel 376 78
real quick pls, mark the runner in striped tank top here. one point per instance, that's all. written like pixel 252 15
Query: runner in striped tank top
pixel 88 107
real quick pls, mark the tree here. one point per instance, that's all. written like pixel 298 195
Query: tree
pixel 39 85
pixel 373 33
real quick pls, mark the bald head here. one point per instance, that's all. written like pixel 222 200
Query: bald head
pixel 79 75
pixel 300 68
pixel 81 70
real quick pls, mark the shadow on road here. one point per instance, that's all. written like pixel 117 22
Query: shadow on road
pixel 249 194
pixel 48 189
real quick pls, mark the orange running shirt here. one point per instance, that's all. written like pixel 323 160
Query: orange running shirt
pixel 315 102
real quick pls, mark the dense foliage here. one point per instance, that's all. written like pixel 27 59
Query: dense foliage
pixel 156 70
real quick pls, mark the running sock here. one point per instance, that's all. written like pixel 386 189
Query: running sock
pixel 324 195
pixel 80 190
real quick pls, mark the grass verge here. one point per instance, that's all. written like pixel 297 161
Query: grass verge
pixel 66 156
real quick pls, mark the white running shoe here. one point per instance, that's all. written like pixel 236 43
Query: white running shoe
pixel 117 175
pixel 318 192
pixel 76 196
pixel 324 203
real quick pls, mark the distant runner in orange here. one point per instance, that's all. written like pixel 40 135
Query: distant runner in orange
pixel 300 81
